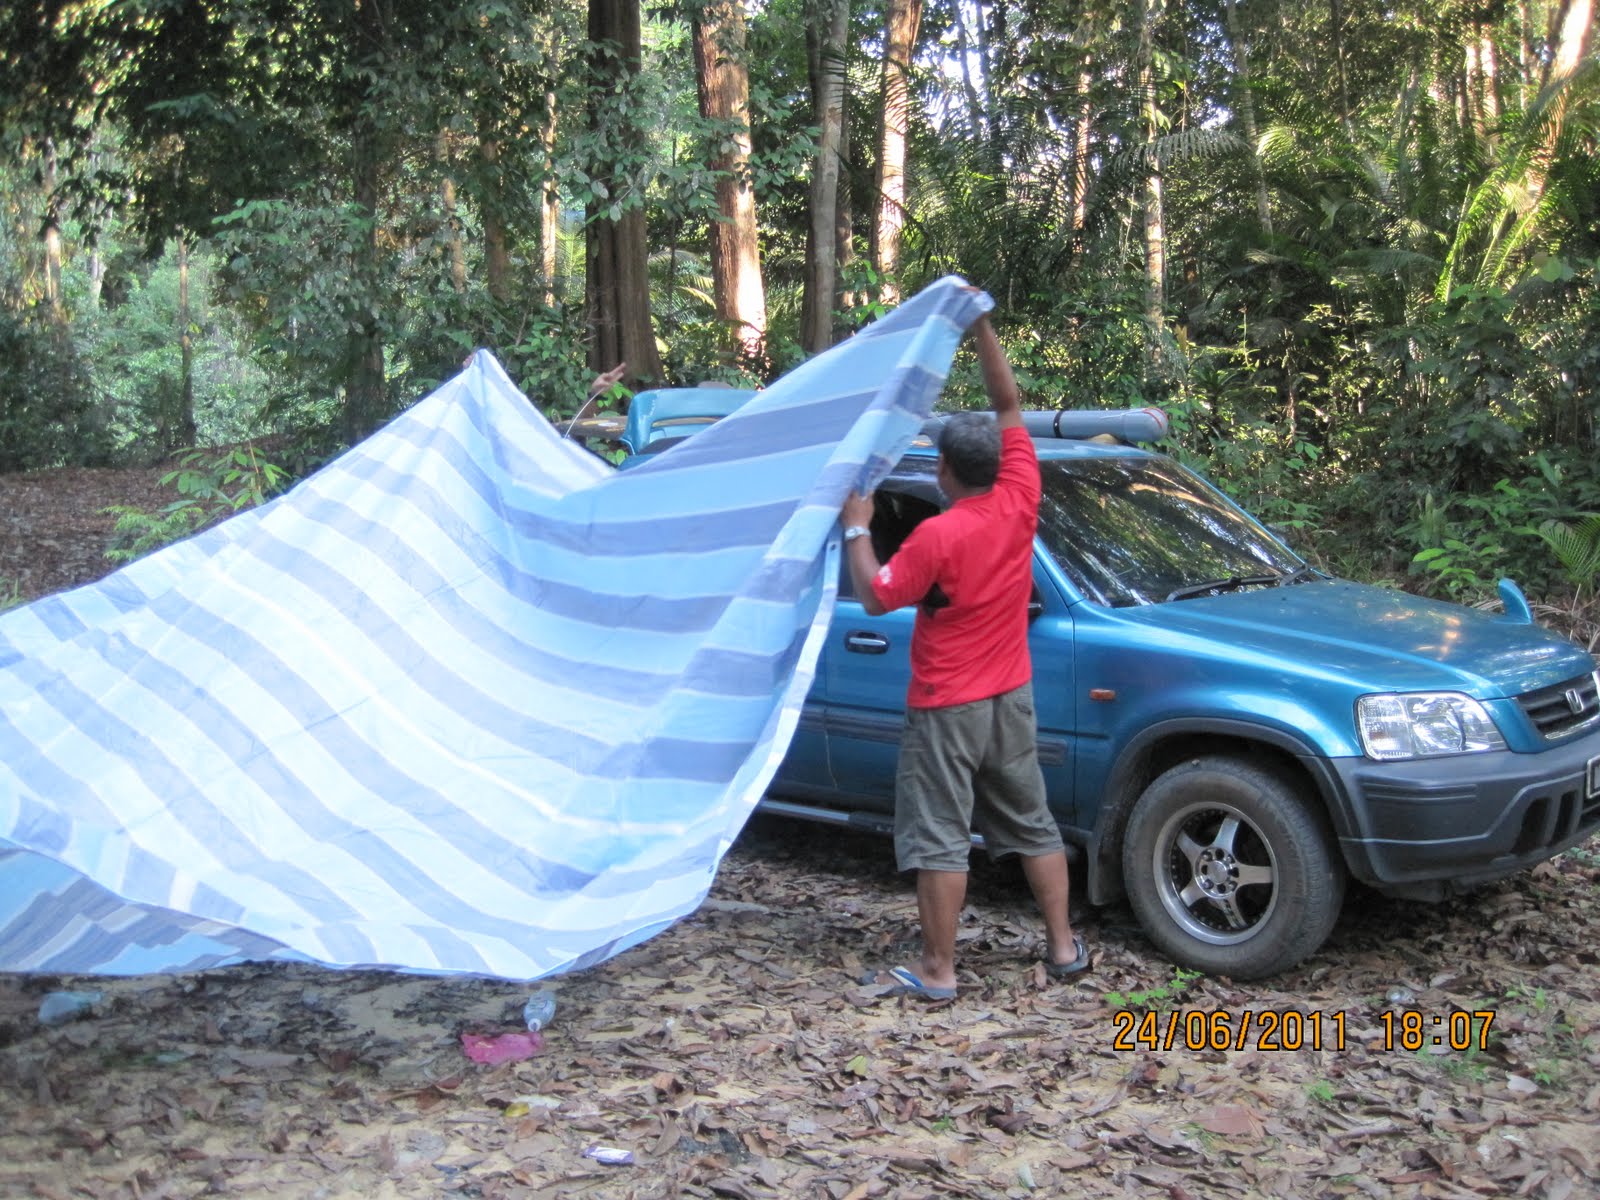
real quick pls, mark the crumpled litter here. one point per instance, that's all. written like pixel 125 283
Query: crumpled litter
pixel 494 1049
pixel 57 1008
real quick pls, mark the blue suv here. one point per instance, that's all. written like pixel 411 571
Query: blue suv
pixel 1228 735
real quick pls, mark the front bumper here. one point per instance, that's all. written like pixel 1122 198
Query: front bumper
pixel 1419 827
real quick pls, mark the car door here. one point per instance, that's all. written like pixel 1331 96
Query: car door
pixel 866 668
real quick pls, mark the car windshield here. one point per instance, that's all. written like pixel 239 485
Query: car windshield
pixel 1144 530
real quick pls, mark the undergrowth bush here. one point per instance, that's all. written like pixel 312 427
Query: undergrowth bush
pixel 212 486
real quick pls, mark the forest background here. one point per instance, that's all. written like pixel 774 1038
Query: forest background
pixel 1352 248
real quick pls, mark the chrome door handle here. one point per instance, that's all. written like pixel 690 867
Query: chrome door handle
pixel 859 641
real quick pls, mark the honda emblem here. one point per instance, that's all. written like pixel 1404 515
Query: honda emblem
pixel 1574 701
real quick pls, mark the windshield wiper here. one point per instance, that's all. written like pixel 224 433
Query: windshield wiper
pixel 1301 574
pixel 1230 584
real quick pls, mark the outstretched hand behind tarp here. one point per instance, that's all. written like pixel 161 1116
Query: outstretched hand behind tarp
pixel 466 700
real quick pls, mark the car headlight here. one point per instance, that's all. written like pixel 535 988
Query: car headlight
pixel 1425 725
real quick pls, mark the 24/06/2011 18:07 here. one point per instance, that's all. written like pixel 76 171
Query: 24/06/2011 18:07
pixel 1292 1030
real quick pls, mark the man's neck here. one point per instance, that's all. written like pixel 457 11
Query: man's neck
pixel 958 492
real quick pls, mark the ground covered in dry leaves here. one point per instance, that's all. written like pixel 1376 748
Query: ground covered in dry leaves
pixel 734 1055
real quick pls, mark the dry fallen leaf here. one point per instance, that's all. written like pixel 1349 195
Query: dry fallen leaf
pixel 1234 1120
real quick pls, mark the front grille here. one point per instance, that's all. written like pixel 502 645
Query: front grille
pixel 1564 708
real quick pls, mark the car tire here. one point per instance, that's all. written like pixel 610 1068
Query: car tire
pixel 1229 871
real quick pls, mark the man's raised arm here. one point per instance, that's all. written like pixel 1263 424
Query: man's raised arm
pixel 998 380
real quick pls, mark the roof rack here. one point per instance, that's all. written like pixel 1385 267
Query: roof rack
pixel 1133 425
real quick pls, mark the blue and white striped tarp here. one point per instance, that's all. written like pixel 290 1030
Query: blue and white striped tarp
pixel 466 700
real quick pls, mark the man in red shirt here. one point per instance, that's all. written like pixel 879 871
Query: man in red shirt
pixel 968 754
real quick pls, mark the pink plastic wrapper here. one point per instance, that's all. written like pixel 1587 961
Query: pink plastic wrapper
pixel 493 1049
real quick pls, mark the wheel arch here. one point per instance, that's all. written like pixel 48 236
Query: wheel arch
pixel 1164 745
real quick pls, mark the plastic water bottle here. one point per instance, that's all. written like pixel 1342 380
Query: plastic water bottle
pixel 60 1007
pixel 541 1006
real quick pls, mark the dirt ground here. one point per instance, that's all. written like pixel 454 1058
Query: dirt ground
pixel 734 1055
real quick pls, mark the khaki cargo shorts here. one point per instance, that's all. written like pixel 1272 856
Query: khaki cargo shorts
pixel 971 767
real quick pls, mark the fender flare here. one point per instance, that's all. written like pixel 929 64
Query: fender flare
pixel 1104 850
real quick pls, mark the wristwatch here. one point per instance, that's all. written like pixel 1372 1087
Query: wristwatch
pixel 856 531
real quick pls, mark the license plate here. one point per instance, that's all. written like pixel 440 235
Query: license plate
pixel 1593 775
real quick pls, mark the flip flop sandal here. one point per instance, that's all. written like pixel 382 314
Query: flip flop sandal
pixel 1067 970
pixel 906 983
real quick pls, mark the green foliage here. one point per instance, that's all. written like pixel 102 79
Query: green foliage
pixel 1465 554
pixel 1380 326
pixel 543 359
pixel 46 418
pixel 211 487
pixel 1576 547
pixel 10 593
pixel 861 288
pixel 137 361
pixel 1158 997
pixel 1321 1091
pixel 288 270
pixel 137 532
pixel 1468 542
pixel 47 414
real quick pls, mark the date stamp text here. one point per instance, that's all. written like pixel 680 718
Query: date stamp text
pixel 1288 1029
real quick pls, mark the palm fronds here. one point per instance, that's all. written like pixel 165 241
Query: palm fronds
pixel 1576 547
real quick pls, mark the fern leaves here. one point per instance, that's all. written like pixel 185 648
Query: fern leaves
pixel 1577 547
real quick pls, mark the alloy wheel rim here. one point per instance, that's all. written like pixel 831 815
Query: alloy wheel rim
pixel 1215 873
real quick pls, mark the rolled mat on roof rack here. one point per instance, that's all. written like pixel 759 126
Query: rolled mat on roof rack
pixel 1125 424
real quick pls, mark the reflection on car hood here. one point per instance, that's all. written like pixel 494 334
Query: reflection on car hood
pixel 1395 640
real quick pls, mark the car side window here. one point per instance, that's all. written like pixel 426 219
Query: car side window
pixel 894 516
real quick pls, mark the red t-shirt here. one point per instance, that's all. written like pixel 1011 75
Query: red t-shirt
pixel 980 553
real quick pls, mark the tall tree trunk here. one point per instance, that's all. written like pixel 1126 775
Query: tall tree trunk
pixel 1155 240
pixel 1572 42
pixel 724 86
pixel 1245 102
pixel 1155 246
pixel 901 21
pixel 1571 47
pixel 844 218
pixel 97 276
pixel 1481 78
pixel 496 246
pixel 827 28
pixel 1526 58
pixel 52 238
pixel 366 399
pixel 1082 135
pixel 455 248
pixel 549 186
pixel 965 50
pixel 996 53
pixel 1336 32
pixel 617 272
pixel 182 429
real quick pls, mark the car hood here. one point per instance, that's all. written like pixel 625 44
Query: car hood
pixel 1378 637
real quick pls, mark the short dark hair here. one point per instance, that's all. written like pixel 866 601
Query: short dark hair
pixel 970 444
